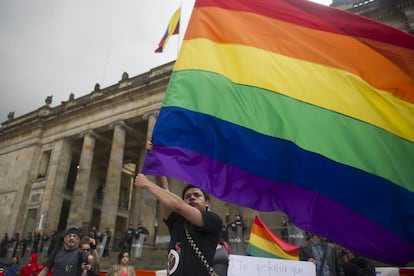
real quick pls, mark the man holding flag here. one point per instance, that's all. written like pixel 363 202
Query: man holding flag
pixel 194 230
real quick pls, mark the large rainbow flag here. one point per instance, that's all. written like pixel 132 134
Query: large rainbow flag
pixel 264 243
pixel 293 106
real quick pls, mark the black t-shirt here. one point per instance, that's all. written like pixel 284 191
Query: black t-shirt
pixel 182 260
pixel 67 262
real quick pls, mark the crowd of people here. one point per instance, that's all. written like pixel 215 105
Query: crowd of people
pixel 197 244
pixel 133 234
pixel 72 253
pixel 54 248
pixel 31 243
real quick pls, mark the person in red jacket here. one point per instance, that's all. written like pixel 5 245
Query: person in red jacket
pixel 31 268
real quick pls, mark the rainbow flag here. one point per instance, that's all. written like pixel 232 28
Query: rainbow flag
pixel 263 243
pixel 173 28
pixel 294 106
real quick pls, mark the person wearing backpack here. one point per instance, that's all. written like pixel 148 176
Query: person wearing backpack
pixel 69 260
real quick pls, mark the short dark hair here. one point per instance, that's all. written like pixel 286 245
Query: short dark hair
pixel 121 255
pixel 85 240
pixel 73 230
pixel 189 186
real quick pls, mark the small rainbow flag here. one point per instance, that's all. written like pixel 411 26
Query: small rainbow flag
pixel 172 29
pixel 264 243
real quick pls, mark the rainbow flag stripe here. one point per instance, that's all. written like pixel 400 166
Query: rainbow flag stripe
pixel 293 106
pixel 264 243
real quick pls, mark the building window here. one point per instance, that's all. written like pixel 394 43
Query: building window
pixel 73 173
pixel 35 198
pixel 44 164
pixel 30 223
pixel 123 198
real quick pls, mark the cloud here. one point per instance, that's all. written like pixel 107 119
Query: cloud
pixel 56 47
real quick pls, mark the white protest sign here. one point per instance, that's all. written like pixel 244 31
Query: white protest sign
pixel 387 271
pixel 257 266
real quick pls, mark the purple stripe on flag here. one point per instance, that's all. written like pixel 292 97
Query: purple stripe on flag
pixel 308 210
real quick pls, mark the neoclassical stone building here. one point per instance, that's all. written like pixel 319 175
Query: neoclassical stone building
pixel 74 164
pixel 397 13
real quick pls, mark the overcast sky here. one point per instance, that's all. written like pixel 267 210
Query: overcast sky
pixel 58 47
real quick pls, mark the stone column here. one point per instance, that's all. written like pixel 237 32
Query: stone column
pixel 77 213
pixel 56 180
pixel 147 204
pixel 135 211
pixel 113 179
pixel 151 116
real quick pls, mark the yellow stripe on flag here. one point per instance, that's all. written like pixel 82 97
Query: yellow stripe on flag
pixel 337 90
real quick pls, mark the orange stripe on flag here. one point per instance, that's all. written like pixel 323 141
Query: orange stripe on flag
pixel 346 55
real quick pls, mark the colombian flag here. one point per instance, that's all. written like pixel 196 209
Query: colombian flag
pixel 263 243
pixel 293 106
pixel 172 29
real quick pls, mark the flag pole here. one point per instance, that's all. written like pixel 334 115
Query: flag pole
pixel 179 29
pixel 104 71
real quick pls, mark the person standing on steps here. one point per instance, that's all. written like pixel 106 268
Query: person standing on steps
pixel 123 268
pixel 323 254
pixel 69 260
